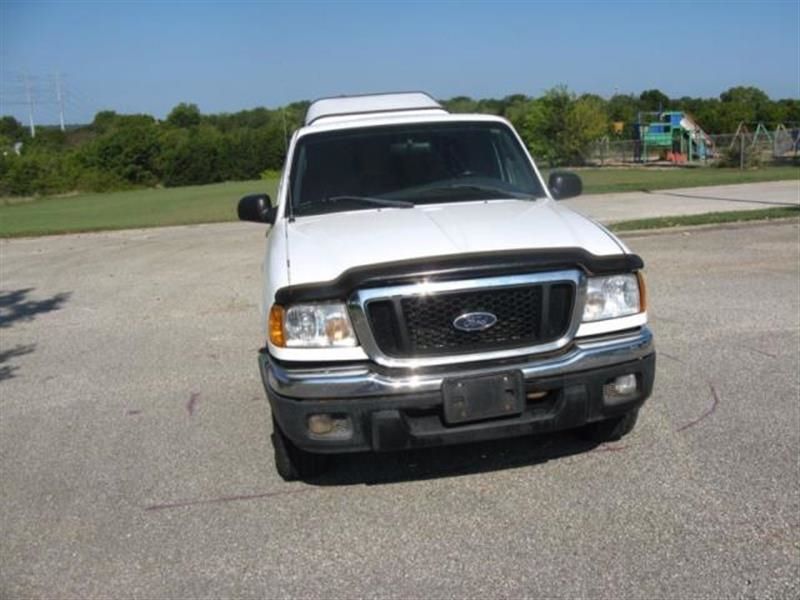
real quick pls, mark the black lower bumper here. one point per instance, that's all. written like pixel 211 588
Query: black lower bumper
pixel 396 422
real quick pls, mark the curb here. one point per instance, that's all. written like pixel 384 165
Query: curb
pixel 687 229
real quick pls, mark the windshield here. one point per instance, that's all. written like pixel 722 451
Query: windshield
pixel 400 166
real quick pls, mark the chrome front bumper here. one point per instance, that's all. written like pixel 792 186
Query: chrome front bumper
pixel 367 381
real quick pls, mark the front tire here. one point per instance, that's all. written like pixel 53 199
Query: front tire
pixel 291 462
pixel 610 430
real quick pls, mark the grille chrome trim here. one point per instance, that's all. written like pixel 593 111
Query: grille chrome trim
pixel 358 315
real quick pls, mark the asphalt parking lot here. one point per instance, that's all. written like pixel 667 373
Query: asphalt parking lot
pixel 136 460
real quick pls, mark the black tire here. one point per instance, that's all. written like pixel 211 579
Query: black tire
pixel 609 430
pixel 291 462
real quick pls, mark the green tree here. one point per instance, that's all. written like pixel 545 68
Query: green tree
pixel 460 104
pixel 184 116
pixel 624 108
pixel 744 95
pixel 11 128
pixel 557 102
pixel 117 151
pixel 744 104
pixel 248 152
pixel 194 156
pixel 515 99
pixel 791 111
pixel 585 122
pixel 38 172
pixel 129 150
pixel 532 120
pixel 104 120
pixel 542 124
pixel 653 100
pixel 490 106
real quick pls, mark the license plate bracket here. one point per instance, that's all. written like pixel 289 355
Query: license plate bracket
pixel 484 397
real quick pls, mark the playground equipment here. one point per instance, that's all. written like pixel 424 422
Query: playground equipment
pixel 785 143
pixel 676 135
pixel 686 142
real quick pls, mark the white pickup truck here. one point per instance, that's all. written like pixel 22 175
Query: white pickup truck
pixel 423 287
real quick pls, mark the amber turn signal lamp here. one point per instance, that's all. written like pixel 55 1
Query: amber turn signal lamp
pixel 276 336
pixel 642 291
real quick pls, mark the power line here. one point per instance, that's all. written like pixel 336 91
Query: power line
pixel 43 97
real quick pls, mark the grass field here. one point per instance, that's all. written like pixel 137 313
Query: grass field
pixel 733 216
pixel 607 180
pixel 217 202
pixel 127 210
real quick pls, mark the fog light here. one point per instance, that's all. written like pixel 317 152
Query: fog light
pixel 330 426
pixel 320 424
pixel 621 388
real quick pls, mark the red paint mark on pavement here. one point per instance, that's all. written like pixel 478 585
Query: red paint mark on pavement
pixel 714 397
pixel 191 405
pixel 708 412
pixel 223 499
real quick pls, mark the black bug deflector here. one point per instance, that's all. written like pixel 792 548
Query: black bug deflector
pixel 459 266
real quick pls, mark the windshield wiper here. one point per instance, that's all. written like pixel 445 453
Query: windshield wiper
pixel 484 188
pixel 369 200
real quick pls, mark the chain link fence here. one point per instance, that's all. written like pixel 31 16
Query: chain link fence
pixel 761 146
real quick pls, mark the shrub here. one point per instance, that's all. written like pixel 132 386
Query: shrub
pixel 94 180
pixel 128 149
pixel 194 158
pixel 731 156
pixel 38 173
pixel 270 174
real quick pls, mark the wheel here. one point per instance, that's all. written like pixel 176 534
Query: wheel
pixel 291 462
pixel 609 430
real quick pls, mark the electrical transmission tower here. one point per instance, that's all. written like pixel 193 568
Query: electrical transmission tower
pixel 60 100
pixel 40 99
pixel 29 97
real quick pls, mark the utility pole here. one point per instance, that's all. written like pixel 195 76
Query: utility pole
pixel 30 105
pixel 60 99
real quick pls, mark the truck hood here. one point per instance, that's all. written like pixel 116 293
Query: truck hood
pixel 321 247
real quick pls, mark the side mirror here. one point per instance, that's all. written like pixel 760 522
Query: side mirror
pixel 563 185
pixel 256 207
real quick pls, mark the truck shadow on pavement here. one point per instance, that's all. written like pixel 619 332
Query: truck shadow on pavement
pixel 450 461
pixel 18 306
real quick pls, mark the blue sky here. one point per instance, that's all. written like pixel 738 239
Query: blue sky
pixel 148 56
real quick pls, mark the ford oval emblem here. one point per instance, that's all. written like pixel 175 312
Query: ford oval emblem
pixel 474 321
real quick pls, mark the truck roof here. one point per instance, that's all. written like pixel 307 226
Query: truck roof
pixel 370 104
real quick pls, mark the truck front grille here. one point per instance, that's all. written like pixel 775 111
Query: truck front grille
pixel 423 325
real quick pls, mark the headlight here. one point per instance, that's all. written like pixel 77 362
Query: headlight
pixel 611 297
pixel 311 326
